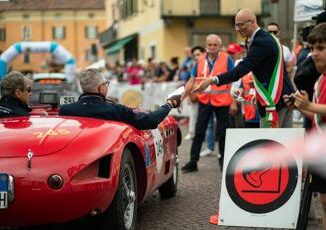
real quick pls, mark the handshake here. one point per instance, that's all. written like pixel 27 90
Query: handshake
pixel 174 101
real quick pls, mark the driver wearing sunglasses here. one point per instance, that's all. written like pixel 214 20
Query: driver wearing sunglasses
pixel 15 91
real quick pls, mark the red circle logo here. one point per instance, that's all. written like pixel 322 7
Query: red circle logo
pixel 263 183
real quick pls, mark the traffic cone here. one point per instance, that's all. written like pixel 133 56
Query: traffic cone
pixel 213 219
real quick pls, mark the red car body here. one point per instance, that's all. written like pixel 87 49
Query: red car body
pixel 87 154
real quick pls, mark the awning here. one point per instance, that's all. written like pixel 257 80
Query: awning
pixel 115 48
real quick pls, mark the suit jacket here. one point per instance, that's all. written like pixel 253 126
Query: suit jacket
pixel 13 107
pixel 261 60
pixel 95 106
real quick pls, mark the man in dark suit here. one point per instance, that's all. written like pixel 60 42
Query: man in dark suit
pixel 263 59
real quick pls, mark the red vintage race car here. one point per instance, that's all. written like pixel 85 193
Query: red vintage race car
pixel 55 169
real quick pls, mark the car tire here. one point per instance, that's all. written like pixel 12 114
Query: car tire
pixel 122 213
pixel 170 187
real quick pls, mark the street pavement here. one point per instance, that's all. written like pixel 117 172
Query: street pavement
pixel 197 198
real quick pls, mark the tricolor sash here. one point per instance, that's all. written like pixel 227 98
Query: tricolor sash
pixel 318 121
pixel 269 97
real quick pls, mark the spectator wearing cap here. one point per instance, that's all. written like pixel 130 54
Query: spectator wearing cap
pixel 247 115
pixel 235 51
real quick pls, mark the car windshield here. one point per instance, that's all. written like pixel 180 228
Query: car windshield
pixel 54 83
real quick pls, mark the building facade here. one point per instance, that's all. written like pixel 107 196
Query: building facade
pixel 163 28
pixel 74 24
pixel 280 12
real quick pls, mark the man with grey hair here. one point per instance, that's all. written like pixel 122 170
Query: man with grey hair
pixel 215 101
pixel 92 103
pixel 15 93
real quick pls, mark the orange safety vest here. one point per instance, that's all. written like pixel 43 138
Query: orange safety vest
pixel 249 108
pixel 217 95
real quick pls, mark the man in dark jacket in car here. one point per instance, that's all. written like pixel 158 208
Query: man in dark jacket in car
pixel 93 103
pixel 15 91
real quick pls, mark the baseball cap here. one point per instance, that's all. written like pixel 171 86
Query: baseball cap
pixel 234 48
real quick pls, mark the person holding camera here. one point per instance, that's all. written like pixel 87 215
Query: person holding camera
pixel 315 110
pixel 93 103
pixel 307 74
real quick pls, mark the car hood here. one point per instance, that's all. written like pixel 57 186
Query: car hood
pixel 43 135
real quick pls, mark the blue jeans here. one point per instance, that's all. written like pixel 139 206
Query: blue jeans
pixel 210 133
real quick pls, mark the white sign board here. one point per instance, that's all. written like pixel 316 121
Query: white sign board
pixel 304 10
pixel 260 190
pixel 148 95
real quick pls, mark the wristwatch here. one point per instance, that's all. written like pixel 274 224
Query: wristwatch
pixel 170 103
pixel 214 81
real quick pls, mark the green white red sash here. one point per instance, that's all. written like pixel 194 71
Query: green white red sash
pixel 317 117
pixel 269 97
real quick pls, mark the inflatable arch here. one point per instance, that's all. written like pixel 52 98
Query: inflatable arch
pixel 61 54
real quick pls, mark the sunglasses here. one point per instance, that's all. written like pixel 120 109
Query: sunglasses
pixel 273 32
pixel 28 89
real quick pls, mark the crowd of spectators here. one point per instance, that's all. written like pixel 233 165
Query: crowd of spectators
pixel 152 70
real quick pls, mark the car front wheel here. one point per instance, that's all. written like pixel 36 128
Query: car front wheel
pixel 122 213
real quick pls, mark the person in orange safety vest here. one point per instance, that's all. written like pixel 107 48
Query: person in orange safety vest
pixel 215 99
pixel 246 95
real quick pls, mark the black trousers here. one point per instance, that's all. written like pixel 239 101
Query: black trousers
pixel 252 124
pixel 222 118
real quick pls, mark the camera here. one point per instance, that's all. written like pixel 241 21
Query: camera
pixel 292 99
pixel 304 32
pixel 320 18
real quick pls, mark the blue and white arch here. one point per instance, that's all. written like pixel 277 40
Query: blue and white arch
pixel 61 54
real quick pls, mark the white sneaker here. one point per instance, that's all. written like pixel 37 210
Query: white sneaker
pixel 206 152
pixel 188 137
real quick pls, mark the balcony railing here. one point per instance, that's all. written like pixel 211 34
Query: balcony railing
pixel 108 36
pixel 210 7
pixel 174 8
